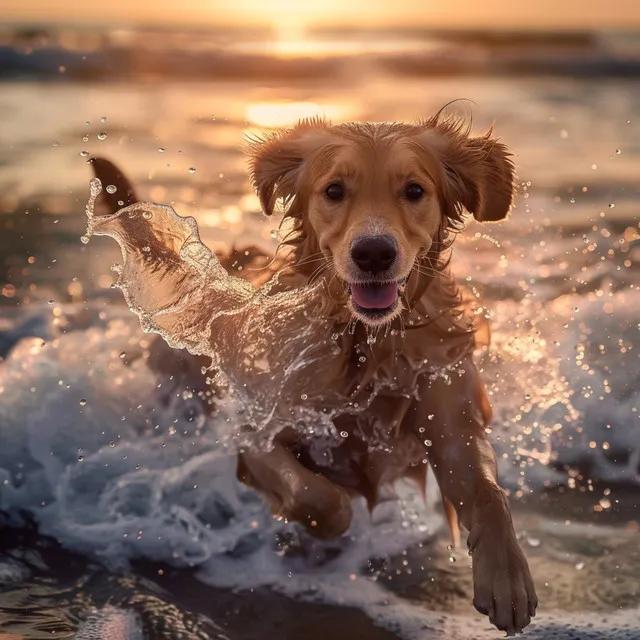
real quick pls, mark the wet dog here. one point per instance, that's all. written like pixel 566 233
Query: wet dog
pixel 373 211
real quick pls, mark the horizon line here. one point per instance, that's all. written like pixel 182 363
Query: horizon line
pixel 197 26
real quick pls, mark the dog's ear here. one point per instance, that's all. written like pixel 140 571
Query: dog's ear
pixel 479 174
pixel 278 161
pixel 109 174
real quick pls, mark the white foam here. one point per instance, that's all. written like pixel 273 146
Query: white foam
pixel 169 494
pixel 561 389
pixel 110 472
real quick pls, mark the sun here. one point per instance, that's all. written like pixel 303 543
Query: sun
pixel 291 18
pixel 290 29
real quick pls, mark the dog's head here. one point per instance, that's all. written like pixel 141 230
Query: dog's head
pixel 370 201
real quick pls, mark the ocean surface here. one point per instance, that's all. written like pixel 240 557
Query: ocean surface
pixel 121 514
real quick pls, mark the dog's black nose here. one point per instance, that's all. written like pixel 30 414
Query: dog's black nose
pixel 374 254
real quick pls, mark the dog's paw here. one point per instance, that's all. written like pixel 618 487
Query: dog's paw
pixel 322 507
pixel 502 583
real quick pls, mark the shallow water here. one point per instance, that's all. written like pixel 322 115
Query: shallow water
pixel 121 465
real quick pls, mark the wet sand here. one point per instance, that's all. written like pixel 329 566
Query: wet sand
pixel 587 575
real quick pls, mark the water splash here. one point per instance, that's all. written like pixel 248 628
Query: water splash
pixel 95 187
pixel 271 346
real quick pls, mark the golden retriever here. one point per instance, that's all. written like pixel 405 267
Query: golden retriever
pixel 374 209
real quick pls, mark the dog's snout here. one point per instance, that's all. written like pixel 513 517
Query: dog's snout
pixel 374 254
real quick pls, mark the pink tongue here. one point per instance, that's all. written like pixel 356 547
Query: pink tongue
pixel 374 296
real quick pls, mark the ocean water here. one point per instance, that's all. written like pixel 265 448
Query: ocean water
pixel 120 465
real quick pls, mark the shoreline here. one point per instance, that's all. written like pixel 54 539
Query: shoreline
pixel 580 590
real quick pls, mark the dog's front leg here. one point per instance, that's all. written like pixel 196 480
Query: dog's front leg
pixel 455 413
pixel 295 492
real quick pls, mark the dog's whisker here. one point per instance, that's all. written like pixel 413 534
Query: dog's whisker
pixel 322 262
pixel 405 300
pixel 320 273
pixel 424 269
pixel 319 270
pixel 307 262
pixel 428 274
pixel 319 255
pixel 333 277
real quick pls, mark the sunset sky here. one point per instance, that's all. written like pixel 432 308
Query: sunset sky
pixel 545 14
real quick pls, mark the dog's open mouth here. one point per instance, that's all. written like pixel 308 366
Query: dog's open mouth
pixel 375 295
pixel 375 301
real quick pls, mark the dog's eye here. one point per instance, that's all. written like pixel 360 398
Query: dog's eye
pixel 335 192
pixel 413 191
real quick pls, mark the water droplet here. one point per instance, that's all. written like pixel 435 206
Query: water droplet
pixel 344 434
pixel 147 215
pixel 452 558
pixel 120 203
pixel 103 119
pixel 102 135
pixel 80 458
pixel 55 143
pixel 85 138
pixel 84 239
pixel 51 301
pixel 192 169
pixel 362 359
pixel 112 444
pixel 123 355
pixel 83 402
pixel 161 149
pixel 304 396
pixel 84 154
pixel 611 206
pixel 427 443
pixel 111 188
pixel 618 152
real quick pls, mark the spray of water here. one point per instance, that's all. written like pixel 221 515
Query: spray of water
pixel 272 347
